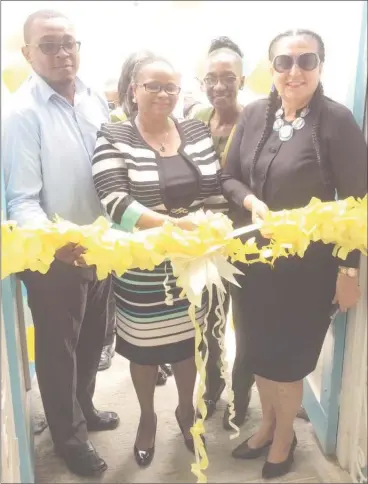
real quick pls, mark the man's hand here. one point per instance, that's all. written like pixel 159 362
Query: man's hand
pixel 70 253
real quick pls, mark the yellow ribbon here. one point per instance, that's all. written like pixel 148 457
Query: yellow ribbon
pixel 342 223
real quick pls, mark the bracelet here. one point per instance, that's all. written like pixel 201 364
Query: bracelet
pixel 348 271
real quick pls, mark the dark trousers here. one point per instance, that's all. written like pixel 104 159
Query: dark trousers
pixel 242 379
pixel 69 310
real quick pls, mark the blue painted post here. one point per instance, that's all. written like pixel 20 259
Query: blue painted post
pixel 25 443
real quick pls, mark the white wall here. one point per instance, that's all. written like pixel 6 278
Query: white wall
pixel 182 30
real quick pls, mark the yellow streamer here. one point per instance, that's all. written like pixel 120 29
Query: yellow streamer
pixel 198 429
pixel 221 326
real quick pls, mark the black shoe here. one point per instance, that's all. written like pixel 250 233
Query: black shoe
pixel 271 470
pixel 82 459
pixel 211 403
pixel 189 443
pixel 102 420
pixel 145 457
pixel 167 369
pixel 240 414
pixel 243 451
pixel 238 420
pixel 107 354
pixel 161 377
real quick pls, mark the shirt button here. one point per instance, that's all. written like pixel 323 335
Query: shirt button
pixel 273 150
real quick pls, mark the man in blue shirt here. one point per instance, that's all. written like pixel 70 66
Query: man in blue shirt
pixel 48 141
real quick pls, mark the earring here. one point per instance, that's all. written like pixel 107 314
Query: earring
pixel 134 100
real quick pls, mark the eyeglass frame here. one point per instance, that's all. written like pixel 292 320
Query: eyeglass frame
pixel 162 88
pixel 61 46
pixel 233 81
pixel 294 58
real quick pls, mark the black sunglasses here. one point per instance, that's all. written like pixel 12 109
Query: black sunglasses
pixel 155 88
pixel 53 48
pixel 307 62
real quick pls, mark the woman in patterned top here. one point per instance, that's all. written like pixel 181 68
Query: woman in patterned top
pixel 148 170
pixel 123 111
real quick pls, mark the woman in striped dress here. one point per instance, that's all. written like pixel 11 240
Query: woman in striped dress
pixel 147 170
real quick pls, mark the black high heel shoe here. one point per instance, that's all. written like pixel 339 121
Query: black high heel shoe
pixel 271 470
pixel 145 457
pixel 189 443
pixel 243 451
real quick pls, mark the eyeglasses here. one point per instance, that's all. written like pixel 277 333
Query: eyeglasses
pixel 53 48
pixel 227 81
pixel 155 88
pixel 307 62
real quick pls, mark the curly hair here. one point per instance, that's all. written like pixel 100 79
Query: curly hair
pixel 225 43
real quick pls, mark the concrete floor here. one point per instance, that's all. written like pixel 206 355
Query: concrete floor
pixel 172 462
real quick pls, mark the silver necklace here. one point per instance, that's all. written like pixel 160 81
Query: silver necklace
pixel 286 130
pixel 162 145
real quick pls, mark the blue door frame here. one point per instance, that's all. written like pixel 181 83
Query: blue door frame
pixel 25 439
pixel 324 413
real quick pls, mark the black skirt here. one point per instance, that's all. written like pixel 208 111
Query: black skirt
pixel 282 313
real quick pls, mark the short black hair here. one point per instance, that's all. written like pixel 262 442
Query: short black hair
pixel 40 14
pixel 225 43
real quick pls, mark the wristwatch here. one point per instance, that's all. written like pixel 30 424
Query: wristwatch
pixel 348 271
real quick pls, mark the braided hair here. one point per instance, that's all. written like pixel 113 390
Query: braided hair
pixel 274 103
pixel 125 94
pixel 224 43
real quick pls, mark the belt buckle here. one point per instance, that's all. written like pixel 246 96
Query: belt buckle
pixel 176 212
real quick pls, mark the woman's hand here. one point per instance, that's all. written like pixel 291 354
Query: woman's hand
pixel 185 223
pixel 347 292
pixel 258 208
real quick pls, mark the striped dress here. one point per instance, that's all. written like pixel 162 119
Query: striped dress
pixel 130 176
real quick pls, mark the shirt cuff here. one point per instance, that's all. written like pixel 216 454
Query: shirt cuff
pixel 131 215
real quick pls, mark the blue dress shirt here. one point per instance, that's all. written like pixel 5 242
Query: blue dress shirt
pixel 47 147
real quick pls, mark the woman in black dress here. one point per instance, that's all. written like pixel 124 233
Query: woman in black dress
pixel 296 145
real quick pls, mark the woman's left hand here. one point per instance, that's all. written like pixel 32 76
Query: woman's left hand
pixel 347 292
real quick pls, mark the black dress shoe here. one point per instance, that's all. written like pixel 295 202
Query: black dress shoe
pixel 212 402
pixel 243 451
pixel 167 369
pixel 82 459
pixel 189 443
pixel 271 470
pixel 145 457
pixel 238 420
pixel 161 377
pixel 102 420
pixel 106 356
pixel 240 414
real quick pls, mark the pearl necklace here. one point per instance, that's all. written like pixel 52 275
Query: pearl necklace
pixel 286 130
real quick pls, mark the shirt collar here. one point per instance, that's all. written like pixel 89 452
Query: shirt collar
pixel 47 91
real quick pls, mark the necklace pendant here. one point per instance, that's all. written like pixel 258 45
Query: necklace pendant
pixel 286 132
pixel 279 113
pixel 298 123
pixel 304 112
pixel 278 124
pixel 162 149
